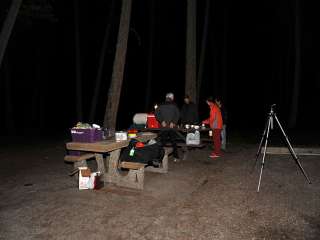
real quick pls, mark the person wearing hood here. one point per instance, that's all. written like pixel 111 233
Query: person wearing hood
pixel 168 113
pixel 216 123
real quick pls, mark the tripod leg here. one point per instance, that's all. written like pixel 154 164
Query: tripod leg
pixel 293 154
pixel 264 152
pixel 261 142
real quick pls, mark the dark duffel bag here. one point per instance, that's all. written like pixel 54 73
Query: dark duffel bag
pixel 150 154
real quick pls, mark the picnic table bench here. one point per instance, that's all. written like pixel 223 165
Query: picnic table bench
pixel 303 151
pixel 135 175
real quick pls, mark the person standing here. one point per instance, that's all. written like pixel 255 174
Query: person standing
pixel 224 126
pixel 168 115
pixel 189 112
pixel 216 123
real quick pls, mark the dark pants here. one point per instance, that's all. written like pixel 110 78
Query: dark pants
pixel 170 137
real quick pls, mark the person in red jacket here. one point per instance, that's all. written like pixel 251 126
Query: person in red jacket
pixel 215 122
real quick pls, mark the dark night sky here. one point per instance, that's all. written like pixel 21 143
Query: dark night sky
pixel 250 48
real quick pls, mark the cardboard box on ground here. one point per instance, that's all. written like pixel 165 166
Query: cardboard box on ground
pixel 88 179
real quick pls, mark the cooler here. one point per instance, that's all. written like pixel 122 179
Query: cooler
pixel 152 121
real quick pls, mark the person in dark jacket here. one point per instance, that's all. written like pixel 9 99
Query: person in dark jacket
pixel 168 113
pixel 189 112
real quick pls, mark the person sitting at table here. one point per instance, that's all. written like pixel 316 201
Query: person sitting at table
pixel 168 115
pixel 189 112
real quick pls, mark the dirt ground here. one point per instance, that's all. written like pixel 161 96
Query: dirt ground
pixel 199 198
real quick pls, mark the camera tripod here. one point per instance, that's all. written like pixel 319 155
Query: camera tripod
pixel 264 140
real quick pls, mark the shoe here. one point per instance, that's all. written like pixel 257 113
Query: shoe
pixel 214 155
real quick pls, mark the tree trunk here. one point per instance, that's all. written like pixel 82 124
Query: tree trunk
pixel 297 68
pixel 191 48
pixel 288 76
pixel 224 84
pixel 78 62
pixel 110 116
pixel 150 54
pixel 203 49
pixel 36 89
pixel 9 118
pixel 101 62
pixel 8 26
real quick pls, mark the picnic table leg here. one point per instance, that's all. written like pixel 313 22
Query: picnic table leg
pixel 165 163
pixel 100 163
pixel 185 153
pixel 133 179
pixel 112 166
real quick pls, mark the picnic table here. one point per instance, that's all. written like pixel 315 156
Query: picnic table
pixel 182 132
pixel 112 148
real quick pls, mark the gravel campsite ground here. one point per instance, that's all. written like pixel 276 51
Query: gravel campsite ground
pixel 199 198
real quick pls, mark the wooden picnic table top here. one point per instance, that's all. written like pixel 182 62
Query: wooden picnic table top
pixel 108 145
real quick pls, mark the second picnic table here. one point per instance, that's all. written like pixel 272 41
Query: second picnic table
pixel 182 132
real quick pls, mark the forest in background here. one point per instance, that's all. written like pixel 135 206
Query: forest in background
pixel 249 60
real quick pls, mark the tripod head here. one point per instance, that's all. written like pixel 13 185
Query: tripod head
pixel 271 109
pixel 271 114
pixel 272 106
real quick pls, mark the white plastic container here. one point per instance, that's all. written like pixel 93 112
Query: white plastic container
pixel 193 138
pixel 121 136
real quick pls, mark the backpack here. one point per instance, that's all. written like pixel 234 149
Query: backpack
pixel 150 154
